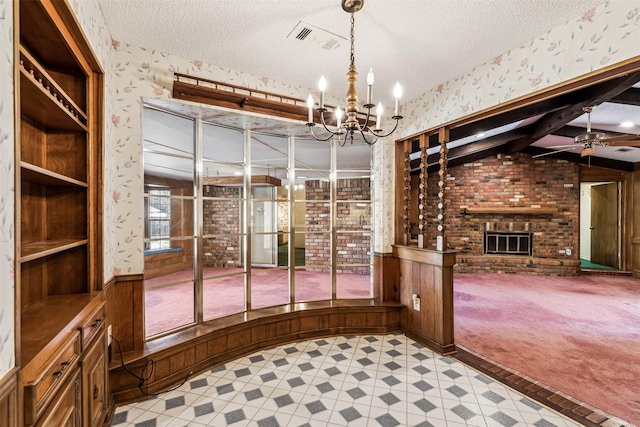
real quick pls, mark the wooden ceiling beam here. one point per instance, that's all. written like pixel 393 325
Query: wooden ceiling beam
pixel 593 95
pixel 475 150
pixel 629 97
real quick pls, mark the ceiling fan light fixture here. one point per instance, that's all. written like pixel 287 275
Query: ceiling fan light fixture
pixel 590 138
pixel 588 151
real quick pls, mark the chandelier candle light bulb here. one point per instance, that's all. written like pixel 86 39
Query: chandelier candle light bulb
pixel 369 127
pixel 369 85
pixel 310 105
pixel 322 85
pixel 397 92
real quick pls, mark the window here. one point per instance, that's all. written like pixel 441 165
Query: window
pixel 237 220
pixel 159 219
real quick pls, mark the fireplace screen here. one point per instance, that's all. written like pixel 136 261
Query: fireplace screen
pixel 508 243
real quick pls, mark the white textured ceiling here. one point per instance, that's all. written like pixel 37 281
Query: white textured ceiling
pixel 419 43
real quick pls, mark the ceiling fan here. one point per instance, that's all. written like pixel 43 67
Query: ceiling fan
pixel 590 140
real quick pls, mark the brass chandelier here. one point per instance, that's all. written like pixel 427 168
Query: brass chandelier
pixel 369 126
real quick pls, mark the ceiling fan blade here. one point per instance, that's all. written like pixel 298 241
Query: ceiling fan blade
pixel 572 147
pixel 625 137
pixel 635 143
pixel 563 146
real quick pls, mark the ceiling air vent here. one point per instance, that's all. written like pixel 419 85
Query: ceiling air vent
pixel 311 34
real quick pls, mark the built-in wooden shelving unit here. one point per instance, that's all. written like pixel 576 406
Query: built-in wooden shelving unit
pixel 62 341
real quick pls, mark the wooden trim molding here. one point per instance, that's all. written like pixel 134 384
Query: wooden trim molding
pixel 598 76
pixel 9 399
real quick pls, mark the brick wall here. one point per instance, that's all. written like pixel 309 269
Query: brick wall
pixel 221 217
pixel 351 216
pixel 512 181
pixel 353 243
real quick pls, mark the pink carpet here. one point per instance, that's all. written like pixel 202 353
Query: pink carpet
pixel 169 303
pixel 579 335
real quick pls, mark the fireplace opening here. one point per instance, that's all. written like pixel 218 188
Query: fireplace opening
pixel 508 243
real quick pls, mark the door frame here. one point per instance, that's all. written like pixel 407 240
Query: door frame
pixel 595 174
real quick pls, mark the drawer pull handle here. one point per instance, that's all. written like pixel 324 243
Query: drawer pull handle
pixel 96 323
pixel 63 365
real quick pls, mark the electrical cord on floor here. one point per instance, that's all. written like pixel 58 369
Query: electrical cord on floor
pixel 142 378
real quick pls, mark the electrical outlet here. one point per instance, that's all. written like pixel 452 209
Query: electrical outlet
pixel 568 251
pixel 109 335
pixel 416 302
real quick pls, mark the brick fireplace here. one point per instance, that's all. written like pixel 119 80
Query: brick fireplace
pixel 513 196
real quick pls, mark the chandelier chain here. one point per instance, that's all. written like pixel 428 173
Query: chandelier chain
pixel 364 126
pixel 353 56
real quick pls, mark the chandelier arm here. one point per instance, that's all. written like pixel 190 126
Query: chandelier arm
pixel 364 137
pixel 338 131
pixel 331 135
pixel 366 122
pixel 398 118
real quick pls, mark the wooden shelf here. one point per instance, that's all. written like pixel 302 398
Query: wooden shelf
pixel 54 315
pixel 36 250
pixel 41 106
pixel 508 210
pixel 38 175
pixel 41 75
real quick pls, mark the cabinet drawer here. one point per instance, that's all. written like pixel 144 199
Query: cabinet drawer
pixel 40 390
pixel 64 411
pixel 90 328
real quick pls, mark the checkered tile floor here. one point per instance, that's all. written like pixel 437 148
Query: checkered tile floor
pixel 384 381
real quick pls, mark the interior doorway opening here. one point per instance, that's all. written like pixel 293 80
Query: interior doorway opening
pixel 600 220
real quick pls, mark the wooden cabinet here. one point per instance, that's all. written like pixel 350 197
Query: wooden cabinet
pixel 94 382
pixel 65 410
pixel 60 302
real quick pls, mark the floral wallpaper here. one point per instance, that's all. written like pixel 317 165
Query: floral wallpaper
pixel 7 196
pixel 601 37
pixel 95 28
pixel 146 73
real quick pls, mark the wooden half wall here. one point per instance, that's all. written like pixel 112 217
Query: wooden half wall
pixel 201 347
pixel 427 275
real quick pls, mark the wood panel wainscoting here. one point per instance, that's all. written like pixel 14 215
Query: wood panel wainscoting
pixel 125 308
pixel 385 277
pixel 427 274
pixel 198 348
pixel 9 399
